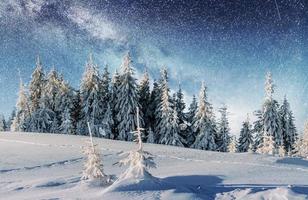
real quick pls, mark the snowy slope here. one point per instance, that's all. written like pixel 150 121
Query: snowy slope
pixel 48 166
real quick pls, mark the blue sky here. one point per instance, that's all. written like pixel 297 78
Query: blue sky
pixel 228 44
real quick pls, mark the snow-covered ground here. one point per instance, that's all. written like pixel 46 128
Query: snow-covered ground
pixel 49 166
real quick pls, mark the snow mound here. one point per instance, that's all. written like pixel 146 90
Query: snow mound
pixel 148 188
pixel 272 194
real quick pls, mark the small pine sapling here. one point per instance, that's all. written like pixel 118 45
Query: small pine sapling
pixel 93 168
pixel 138 160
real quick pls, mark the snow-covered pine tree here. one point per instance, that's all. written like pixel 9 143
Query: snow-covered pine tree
pixel 138 160
pixel 167 128
pixel 293 135
pixel 2 123
pixel 268 146
pixel 270 113
pixel 258 130
pixel 245 138
pixel 93 168
pixel 172 136
pixel 11 119
pixel 22 110
pixel 223 134
pixel 144 98
pixel 91 99
pixel 36 86
pixel 66 104
pixel 76 109
pixel 281 151
pixel 192 110
pixel 50 94
pixel 105 88
pixel 179 105
pixel 127 101
pixel 301 145
pixel 153 109
pixel 232 147
pixel 150 137
pixel 106 129
pixel 203 124
pixel 288 128
pixel 163 111
pixel 115 85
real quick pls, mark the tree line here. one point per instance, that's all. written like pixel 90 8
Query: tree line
pixel 49 104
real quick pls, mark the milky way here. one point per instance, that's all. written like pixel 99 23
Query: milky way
pixel 229 44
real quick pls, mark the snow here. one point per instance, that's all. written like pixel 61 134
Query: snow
pixel 49 166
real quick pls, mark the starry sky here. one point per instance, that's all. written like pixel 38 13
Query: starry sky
pixel 228 44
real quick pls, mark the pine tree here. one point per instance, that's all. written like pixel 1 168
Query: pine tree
pixel 2 123
pixel 163 111
pixel 11 119
pixel 91 98
pixel 268 146
pixel 127 101
pixel 301 146
pixel 167 126
pixel 22 110
pixel 171 136
pixel 76 109
pixel 36 86
pixel 105 89
pixel 179 105
pixel 245 137
pixel 144 98
pixel 108 123
pixel 150 137
pixel 288 128
pixel 115 85
pixel 270 113
pixel 232 145
pixel 66 104
pixel 258 130
pixel 138 160
pixel 153 109
pixel 50 96
pixel 192 110
pixel 93 168
pixel 223 134
pixel 203 124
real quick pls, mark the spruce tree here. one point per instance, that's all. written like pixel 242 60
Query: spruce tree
pixel 127 101
pixel 115 85
pixel 22 110
pixel 223 134
pixel 153 108
pixel 2 123
pixel 288 128
pixel 36 86
pixel 245 139
pixel 105 88
pixel 192 110
pixel 164 110
pixel 144 99
pixel 179 105
pixel 91 99
pixel 203 124
pixel 66 104
pixel 172 136
pixel 106 130
pixel 232 147
pixel 258 129
pixel 270 113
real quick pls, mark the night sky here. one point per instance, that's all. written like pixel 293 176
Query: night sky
pixel 230 44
